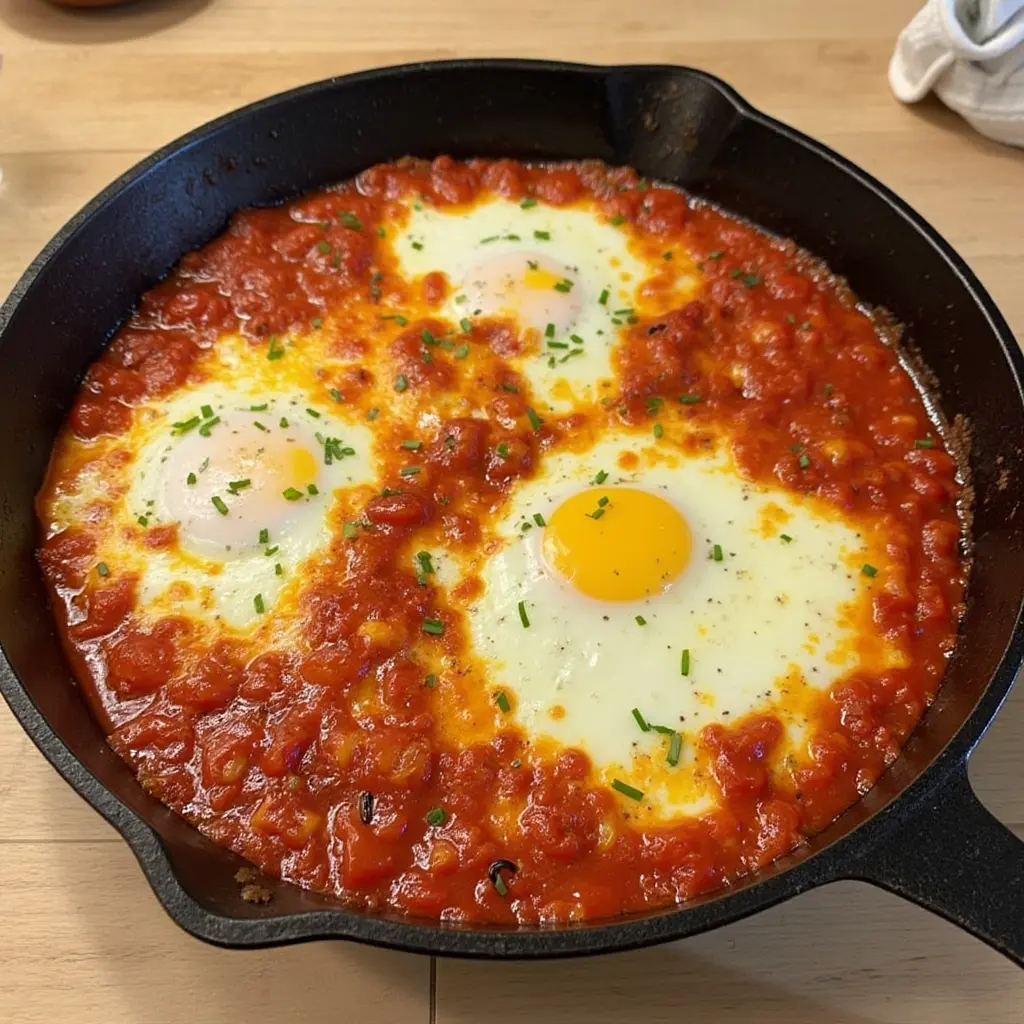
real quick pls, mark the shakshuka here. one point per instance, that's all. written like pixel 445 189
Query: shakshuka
pixel 504 542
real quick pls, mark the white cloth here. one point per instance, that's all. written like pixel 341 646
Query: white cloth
pixel 971 54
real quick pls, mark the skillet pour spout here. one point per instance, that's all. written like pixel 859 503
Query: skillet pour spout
pixel 919 832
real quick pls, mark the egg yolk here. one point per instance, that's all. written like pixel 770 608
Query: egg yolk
pixel 617 543
pixel 225 489
pixel 528 286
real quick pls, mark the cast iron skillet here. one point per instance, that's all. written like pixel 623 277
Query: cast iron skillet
pixel 920 832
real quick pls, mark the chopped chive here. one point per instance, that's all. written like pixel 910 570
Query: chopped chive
pixel 428 338
pixel 544 236
pixel 502 450
pixel 312 490
pixel 436 816
pixel 317 323
pixel 372 414
pixel 658 430
pixel 264 536
pixel 790 319
pixel 324 247
pixel 412 445
pixel 539 519
pixel 425 561
pixel 736 272
pixel 218 503
pixel 564 286
pixel 239 485
pixel 350 220
pixel 675 748
pixel 806 325
pixel 336 395
pixel 535 421
pixel 433 626
pixel 527 202
pixel 626 790
pixel 466 325
pixel 523 617
pixel 101 568
pixel 716 553
pixel 924 442
pixel 596 514
pixel 785 538
pixel 401 383
pixel 184 426
pixel 381 232
pixel 278 569
pixel 752 279
pixel 417 245
pixel 603 297
pixel 684 662
pixel 868 570
pixel 350 531
pixel 549 331
pixel 256 408
pixel 716 254
pixel 662 730
pixel 804 461
pixel 271 551
pixel 667 255
pixel 408 470
pixel 502 701
pixel 640 620
pixel 640 720
pixel 292 494
pixel 602 501
pixel 430 681
pixel 273 352
pixel 575 339
pixel 558 344
pixel 398 318
pixel 462 351
pixel 617 220
pixel 143 521
pixel 190 479
pixel 258 604
pixel 600 477
pixel 206 411
pixel 510 387
pixel 283 422
pixel 205 429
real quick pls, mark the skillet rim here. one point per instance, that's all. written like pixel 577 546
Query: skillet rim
pixel 838 859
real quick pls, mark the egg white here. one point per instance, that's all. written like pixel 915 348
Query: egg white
pixel 222 587
pixel 593 253
pixel 768 608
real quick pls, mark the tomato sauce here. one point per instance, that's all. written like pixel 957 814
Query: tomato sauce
pixel 268 751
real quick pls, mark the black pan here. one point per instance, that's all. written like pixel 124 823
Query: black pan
pixel 920 832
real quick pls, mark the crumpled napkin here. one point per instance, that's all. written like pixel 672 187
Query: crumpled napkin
pixel 971 54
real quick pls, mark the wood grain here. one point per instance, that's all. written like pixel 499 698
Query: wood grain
pixel 85 95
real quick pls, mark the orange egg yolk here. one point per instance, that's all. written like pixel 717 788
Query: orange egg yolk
pixel 617 543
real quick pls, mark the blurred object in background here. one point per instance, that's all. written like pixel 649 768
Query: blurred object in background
pixel 971 54
pixel 88 3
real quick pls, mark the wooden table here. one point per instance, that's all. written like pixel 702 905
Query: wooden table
pixel 82 97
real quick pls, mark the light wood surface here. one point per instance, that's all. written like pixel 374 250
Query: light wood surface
pixel 82 97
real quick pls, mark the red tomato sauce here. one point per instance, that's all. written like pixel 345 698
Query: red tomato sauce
pixel 267 752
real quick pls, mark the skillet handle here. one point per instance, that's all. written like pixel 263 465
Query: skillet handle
pixel 958 861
